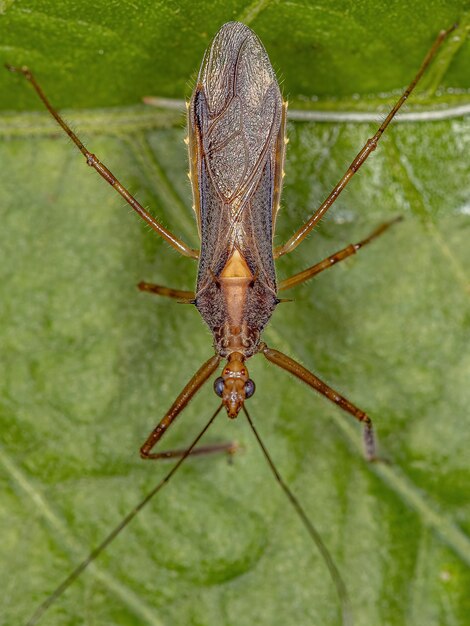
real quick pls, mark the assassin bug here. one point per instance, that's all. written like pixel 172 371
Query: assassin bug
pixel 236 124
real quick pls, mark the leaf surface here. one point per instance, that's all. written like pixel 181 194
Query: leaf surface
pixel 89 364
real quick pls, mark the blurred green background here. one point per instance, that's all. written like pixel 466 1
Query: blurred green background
pixel 89 364
pixel 93 54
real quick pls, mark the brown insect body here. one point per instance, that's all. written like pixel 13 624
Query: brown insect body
pixel 236 147
pixel 236 120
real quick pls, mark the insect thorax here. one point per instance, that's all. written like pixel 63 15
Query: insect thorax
pixel 236 310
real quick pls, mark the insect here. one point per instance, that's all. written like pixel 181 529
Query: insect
pixel 236 139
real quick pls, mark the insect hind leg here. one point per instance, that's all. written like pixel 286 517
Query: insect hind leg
pixel 93 161
pixel 363 154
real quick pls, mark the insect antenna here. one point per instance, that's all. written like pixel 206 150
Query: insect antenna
pixel 94 554
pixel 346 611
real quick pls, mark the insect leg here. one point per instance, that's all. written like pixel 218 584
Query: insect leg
pixel 310 272
pixel 230 448
pixel 288 364
pixel 363 154
pixel 160 290
pixel 117 530
pixel 192 387
pixel 93 161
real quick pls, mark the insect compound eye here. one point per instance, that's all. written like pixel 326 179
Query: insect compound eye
pixel 219 386
pixel 249 388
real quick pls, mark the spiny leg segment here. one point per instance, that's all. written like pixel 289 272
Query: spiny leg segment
pixel 93 161
pixel 363 154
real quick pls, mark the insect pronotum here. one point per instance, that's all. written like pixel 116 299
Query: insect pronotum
pixel 237 139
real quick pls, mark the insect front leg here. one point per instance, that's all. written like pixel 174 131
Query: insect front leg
pixel 310 272
pixel 93 161
pixel 189 391
pixel 361 157
pixel 288 364
pixel 230 448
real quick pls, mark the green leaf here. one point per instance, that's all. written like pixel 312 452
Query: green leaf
pixel 94 53
pixel 89 364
